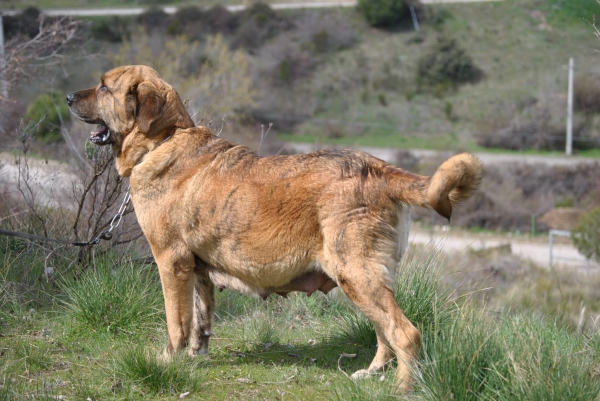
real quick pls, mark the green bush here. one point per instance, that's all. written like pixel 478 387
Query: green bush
pixel 447 63
pixel 384 12
pixel 50 108
pixel 586 94
pixel 586 236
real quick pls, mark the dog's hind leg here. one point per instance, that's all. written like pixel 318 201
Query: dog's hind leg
pixel 394 330
pixel 357 260
pixel 204 306
pixel 382 359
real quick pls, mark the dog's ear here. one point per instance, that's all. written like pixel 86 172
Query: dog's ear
pixel 150 105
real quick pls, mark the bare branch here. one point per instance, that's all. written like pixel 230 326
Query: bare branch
pixel 22 55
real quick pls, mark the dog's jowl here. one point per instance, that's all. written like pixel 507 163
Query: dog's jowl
pixel 218 215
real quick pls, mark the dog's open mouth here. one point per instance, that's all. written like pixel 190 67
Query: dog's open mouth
pixel 101 136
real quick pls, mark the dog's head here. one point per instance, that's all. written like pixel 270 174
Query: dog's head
pixel 129 100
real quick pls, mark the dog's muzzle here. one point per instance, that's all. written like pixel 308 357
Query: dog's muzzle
pixel 101 135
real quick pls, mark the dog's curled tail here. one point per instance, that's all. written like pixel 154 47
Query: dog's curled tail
pixel 453 182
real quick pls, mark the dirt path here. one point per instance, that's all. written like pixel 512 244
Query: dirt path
pixel 50 182
pixel 534 249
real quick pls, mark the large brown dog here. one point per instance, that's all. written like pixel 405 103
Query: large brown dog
pixel 217 214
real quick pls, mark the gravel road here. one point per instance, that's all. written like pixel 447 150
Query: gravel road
pixel 536 249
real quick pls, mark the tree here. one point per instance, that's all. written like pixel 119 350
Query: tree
pixel 385 12
pixel 586 236
pixel 26 49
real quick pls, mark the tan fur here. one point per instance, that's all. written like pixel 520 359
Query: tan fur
pixel 217 214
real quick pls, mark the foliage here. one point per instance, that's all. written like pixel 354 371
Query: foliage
pixel 384 12
pixel 522 357
pixel 586 236
pixel 258 24
pixel 196 23
pixel 447 63
pixel 223 85
pixel 111 29
pixel 153 18
pixel 24 23
pixel 586 93
pixel 30 49
pixel 143 368
pixel 537 128
pixel 215 79
pixel 113 298
pixel 52 110
pixel 566 11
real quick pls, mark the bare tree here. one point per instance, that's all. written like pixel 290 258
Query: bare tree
pixel 23 54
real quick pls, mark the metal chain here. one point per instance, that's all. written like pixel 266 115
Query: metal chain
pixel 116 220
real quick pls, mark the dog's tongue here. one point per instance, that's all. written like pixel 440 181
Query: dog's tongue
pixel 101 129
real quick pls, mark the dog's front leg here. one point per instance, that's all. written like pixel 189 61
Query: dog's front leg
pixel 204 306
pixel 177 277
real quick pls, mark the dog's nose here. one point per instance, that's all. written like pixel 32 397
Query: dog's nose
pixel 70 98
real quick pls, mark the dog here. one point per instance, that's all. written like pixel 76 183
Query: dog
pixel 218 215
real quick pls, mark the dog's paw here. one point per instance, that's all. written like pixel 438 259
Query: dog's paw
pixel 198 352
pixel 361 374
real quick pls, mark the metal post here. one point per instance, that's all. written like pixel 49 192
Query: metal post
pixel 3 86
pixel 569 144
pixel 414 18
pixel 533 225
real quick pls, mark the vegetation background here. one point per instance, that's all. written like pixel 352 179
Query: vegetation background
pixel 88 323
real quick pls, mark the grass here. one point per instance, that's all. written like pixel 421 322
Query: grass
pixel 105 338
pixel 112 298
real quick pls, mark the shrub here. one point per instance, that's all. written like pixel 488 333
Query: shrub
pixel 51 109
pixel 259 24
pixel 586 236
pixel 536 127
pixel 153 18
pixel 323 32
pixel 25 23
pixel 447 62
pixel 195 23
pixel 110 29
pixel 586 94
pixel 384 12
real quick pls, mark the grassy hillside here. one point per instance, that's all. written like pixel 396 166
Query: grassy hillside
pixel 372 93
pixel 326 75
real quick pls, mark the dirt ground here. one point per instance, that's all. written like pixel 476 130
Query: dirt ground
pixel 536 249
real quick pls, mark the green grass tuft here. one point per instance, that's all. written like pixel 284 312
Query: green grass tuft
pixel 141 367
pixel 114 298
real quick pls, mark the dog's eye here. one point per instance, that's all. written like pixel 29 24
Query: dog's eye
pixel 103 88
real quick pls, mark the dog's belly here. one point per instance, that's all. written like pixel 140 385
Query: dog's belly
pixel 309 282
